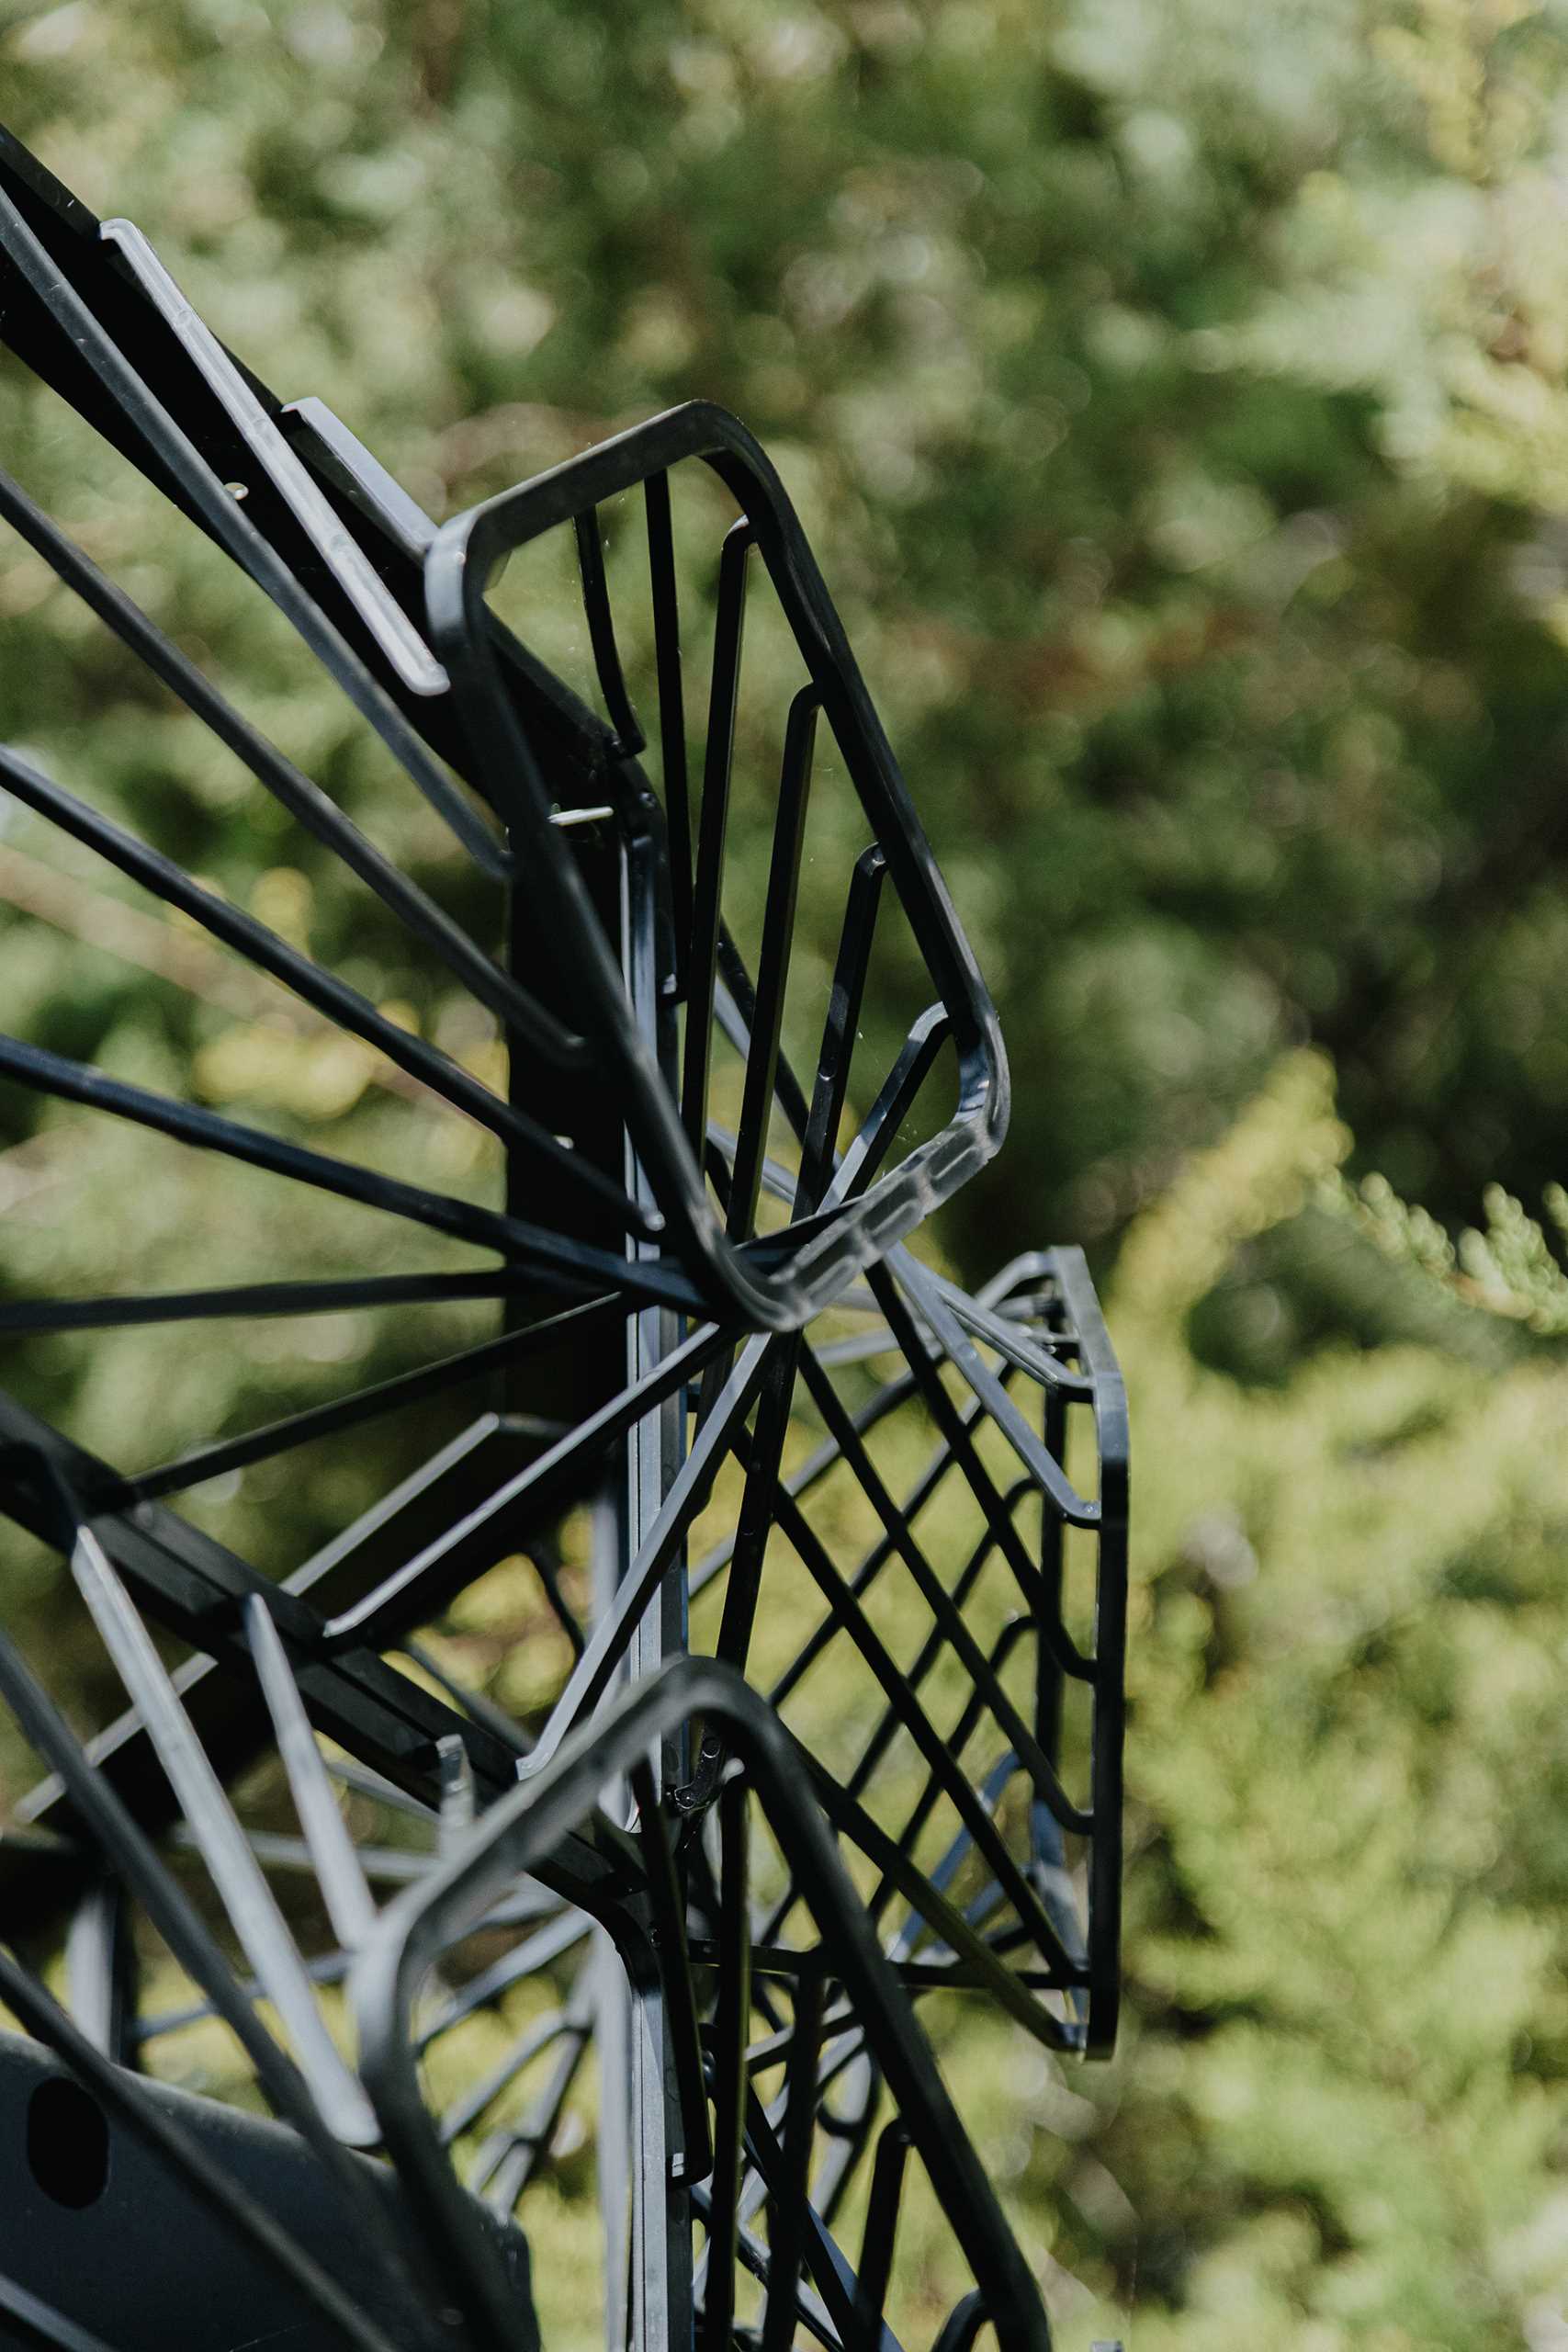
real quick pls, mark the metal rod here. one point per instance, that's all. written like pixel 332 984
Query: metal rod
pixel 713 821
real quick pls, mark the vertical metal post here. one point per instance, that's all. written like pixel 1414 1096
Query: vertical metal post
pixel 661 2293
pixel 101 1973
pixel 613 2023
pixel 577 1105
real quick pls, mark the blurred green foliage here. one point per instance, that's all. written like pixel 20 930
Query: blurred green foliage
pixel 1174 394
pixel 1339 2116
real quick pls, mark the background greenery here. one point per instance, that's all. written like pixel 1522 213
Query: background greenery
pixel 1174 392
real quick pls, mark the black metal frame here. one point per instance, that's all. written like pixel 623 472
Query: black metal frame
pixel 844 1221
pixel 640 1230
pixel 360 2252
pixel 75 291
pixel 516 1838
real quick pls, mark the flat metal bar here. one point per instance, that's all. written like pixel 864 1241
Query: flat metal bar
pixel 864 1349
pixel 355 575
pixel 731 2032
pixel 29 2320
pixel 1017 1348
pixel 875 2269
pixel 1113 1438
pixel 659 2122
pixel 672 708
pixel 278 1852
pixel 773 962
pixel 346 1891
pixel 399 539
pixel 374 1785
pixel 629 737
pixel 457 1808
pixel 840 1025
pixel 712 824
pixel 692 2161
pixel 101 1970
pixel 791 2200
pixel 225 519
pixel 351 468
pixel 1048 1676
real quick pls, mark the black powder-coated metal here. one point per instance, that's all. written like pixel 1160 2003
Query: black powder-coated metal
pixel 784 1789
pixel 78 292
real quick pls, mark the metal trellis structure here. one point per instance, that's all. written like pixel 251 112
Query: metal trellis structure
pixel 831 1552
